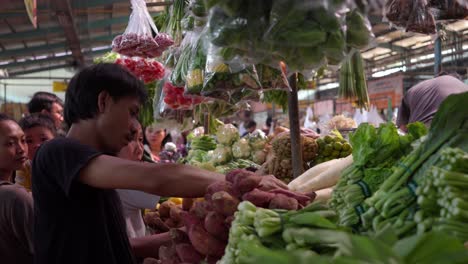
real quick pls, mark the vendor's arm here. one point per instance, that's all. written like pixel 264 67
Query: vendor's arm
pixel 147 246
pixel 176 180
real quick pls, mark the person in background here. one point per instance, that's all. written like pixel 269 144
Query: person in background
pixel 155 138
pixel 48 104
pixel 250 128
pixel 267 128
pixel 16 204
pixel 134 201
pixel 78 214
pixel 421 101
pixel 38 128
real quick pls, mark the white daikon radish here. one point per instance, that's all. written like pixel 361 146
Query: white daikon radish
pixel 323 195
pixel 327 178
pixel 312 172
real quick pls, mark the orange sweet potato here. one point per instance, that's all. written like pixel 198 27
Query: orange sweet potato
pixel 214 224
pixel 281 201
pixel 258 197
pixel 224 203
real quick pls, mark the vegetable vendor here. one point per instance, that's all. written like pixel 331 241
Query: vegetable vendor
pixel 421 101
pixel 78 216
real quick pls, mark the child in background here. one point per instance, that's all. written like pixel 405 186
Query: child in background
pixel 38 128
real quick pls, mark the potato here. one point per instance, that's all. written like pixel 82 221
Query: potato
pixel 258 197
pixel 201 209
pixel 217 187
pixel 178 236
pixel 239 173
pixel 281 201
pixel 214 224
pixel 228 220
pixel 165 208
pixel 224 203
pixel 270 182
pixel 205 243
pixel 171 223
pixel 175 213
pixel 187 253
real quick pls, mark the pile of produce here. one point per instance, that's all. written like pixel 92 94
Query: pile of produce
pixel 340 122
pixel 279 159
pixel 375 152
pixel 167 215
pixel 175 98
pixel 332 147
pixel 228 151
pixel 208 221
pixel 146 70
pixel 392 201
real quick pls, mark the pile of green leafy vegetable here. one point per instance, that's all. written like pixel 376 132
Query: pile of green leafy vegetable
pixel 395 201
pixel 310 235
pixel 375 152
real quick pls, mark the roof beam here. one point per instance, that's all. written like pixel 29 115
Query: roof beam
pixel 49 48
pixel 66 20
pixel 52 59
pixel 53 67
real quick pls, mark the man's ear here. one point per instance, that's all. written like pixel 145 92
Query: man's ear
pixel 103 100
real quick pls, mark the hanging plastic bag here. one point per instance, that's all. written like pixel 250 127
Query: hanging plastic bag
pixel 147 70
pixel 196 67
pixel 421 19
pixel 374 117
pixel 398 11
pixel 358 30
pixel 137 40
pixel 221 79
pixel 449 9
pixel 271 78
pixel 309 122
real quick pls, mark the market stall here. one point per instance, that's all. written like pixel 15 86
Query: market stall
pixel 373 195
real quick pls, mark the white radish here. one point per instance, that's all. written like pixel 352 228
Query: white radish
pixel 312 172
pixel 323 195
pixel 327 178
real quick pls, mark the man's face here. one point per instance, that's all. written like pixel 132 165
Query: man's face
pixel 35 137
pixel 56 113
pixel 13 147
pixel 118 123
pixel 134 149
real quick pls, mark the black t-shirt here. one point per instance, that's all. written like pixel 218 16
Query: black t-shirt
pixel 74 222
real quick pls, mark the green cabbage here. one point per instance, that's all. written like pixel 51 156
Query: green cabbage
pixel 259 156
pixel 227 134
pixel 257 140
pixel 241 149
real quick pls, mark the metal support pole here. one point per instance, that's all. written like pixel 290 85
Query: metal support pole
pixel 437 54
pixel 293 110
pixel 4 95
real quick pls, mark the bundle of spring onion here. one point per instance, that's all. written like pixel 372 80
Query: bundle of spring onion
pixel 442 195
pixel 353 84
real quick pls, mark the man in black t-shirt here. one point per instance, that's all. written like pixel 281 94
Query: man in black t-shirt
pixel 78 216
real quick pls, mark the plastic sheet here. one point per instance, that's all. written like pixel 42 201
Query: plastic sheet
pixel 137 40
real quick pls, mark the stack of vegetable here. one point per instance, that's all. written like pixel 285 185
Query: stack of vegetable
pixel 332 147
pixel 279 159
pixel 394 202
pixel 442 195
pixel 208 221
pixel 375 151
pixel 167 215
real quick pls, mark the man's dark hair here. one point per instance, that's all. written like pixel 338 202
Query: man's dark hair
pixel 4 117
pixel 43 101
pixel 84 88
pixel 38 120
pixel 251 124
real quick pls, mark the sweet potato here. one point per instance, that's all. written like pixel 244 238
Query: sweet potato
pixel 217 187
pixel 214 224
pixel 165 208
pixel 174 213
pixel 270 182
pixel 301 198
pixel 187 253
pixel 187 203
pixel 258 197
pixel 224 203
pixel 150 261
pixel 281 201
pixel 178 236
pixel 229 220
pixel 167 253
pixel 205 243
pixel 234 174
pixel 246 184
pixel 201 209
pixel 171 223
